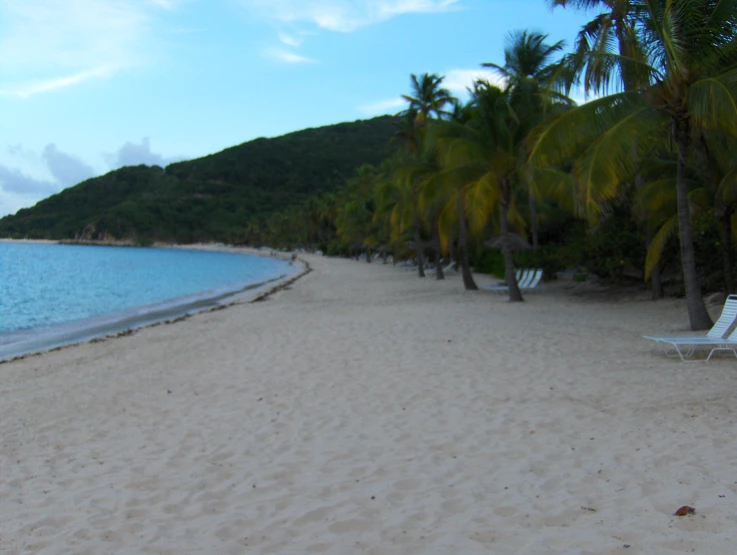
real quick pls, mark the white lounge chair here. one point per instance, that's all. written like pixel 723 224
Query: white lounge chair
pixel 729 345
pixel 528 280
pixel 685 346
pixel 537 276
pixel 518 274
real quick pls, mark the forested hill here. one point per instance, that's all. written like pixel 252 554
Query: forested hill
pixel 212 198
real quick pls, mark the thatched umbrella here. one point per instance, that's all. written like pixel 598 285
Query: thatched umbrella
pixel 518 243
pixel 433 244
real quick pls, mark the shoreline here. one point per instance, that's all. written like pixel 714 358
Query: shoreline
pixel 109 326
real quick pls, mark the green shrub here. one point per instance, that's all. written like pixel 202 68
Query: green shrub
pixel 487 261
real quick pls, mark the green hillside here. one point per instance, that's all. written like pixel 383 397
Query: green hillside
pixel 212 198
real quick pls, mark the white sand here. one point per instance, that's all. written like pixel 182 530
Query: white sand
pixel 366 411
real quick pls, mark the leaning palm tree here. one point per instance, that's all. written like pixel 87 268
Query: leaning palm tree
pixel 691 63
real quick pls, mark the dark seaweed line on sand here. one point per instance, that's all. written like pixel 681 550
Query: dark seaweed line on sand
pixel 132 331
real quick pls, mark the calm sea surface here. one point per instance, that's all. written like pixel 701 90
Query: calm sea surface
pixel 47 287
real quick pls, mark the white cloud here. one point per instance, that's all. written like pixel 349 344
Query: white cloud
pixel 458 81
pixel 391 105
pixel 10 203
pixel 30 88
pixel 46 45
pixel 12 180
pixel 344 15
pixel 27 176
pixel 290 40
pixel 132 154
pixel 67 169
pixel 289 57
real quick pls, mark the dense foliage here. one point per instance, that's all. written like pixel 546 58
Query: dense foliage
pixel 640 181
pixel 221 197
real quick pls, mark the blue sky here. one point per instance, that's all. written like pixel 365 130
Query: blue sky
pixel 87 86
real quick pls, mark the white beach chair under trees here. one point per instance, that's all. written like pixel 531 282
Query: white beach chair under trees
pixel 519 274
pixel 686 345
pixel 526 281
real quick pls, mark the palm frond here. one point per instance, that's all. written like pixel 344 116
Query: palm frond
pixel 516 219
pixel 727 190
pixel 657 245
pixel 434 190
pixel 559 139
pixel 460 151
pixel 656 200
pixel 558 185
pixel 712 102
pixel 481 197
pixel 612 159
pixel 447 219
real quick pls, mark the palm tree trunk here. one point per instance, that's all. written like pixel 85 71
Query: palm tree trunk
pixel 419 250
pixel 697 314
pixel 468 281
pixel 515 295
pixel 534 225
pixel 728 250
pixel 436 250
pixel 656 281
pixel 452 253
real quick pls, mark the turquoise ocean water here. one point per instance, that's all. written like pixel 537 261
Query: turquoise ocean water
pixel 56 294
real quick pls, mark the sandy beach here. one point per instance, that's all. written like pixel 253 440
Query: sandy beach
pixel 362 410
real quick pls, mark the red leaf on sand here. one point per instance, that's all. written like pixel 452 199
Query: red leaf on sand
pixel 685 510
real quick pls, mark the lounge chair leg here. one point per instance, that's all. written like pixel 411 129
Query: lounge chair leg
pixel 676 352
pixel 715 349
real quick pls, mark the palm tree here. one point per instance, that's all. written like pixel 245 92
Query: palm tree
pixel 451 193
pixel 407 134
pixel 528 61
pixel 426 99
pixel 357 228
pixel 531 75
pixel 427 96
pixel 712 195
pixel 692 87
pixel 612 31
pixel 481 165
pixel 719 152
